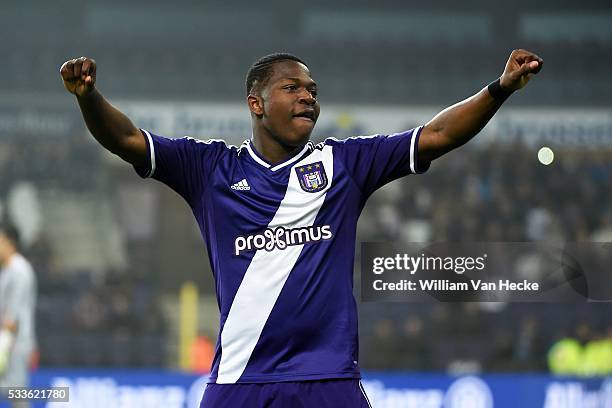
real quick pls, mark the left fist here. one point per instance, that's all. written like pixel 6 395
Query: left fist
pixel 520 68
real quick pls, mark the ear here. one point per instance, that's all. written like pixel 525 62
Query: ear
pixel 255 103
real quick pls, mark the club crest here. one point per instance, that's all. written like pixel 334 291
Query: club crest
pixel 312 177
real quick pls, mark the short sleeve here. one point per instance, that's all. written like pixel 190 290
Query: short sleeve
pixel 182 164
pixel 374 161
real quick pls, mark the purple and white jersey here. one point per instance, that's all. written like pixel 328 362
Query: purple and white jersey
pixel 281 242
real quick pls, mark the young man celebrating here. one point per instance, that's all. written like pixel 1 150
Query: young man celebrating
pixel 278 215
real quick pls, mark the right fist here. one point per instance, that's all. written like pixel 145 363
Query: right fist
pixel 79 75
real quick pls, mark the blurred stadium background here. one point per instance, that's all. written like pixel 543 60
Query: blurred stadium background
pixel 113 253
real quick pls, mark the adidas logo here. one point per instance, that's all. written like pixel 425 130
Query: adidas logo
pixel 241 185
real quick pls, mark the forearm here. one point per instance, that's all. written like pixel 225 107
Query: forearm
pixel 460 122
pixel 109 126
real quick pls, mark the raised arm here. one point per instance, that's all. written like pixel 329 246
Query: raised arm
pixel 107 124
pixel 457 124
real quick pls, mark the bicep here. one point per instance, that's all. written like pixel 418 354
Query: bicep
pixel 432 144
pixel 133 149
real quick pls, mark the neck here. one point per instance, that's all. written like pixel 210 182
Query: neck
pixel 271 149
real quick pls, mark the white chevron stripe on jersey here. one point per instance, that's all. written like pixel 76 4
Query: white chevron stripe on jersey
pixel 268 272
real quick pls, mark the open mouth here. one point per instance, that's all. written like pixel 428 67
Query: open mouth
pixel 308 114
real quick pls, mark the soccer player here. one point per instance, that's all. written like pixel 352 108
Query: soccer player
pixel 278 215
pixel 17 304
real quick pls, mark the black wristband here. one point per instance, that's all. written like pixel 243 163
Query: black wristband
pixel 497 92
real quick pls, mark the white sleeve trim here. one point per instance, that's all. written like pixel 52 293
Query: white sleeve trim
pixel 151 152
pixel 413 149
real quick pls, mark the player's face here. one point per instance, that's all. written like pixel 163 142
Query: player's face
pixel 290 106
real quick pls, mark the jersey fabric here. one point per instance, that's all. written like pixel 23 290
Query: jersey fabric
pixel 281 243
pixel 18 303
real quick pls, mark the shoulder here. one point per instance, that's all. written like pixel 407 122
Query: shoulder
pixel 209 149
pixel 365 142
pixel 217 144
pixel 351 141
pixel 21 268
pixel 188 142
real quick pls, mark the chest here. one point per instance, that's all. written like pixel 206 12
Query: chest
pixel 250 195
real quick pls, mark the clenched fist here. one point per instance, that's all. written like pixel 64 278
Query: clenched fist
pixel 79 75
pixel 520 68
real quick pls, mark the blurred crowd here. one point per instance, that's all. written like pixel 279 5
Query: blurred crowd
pixel 85 317
pixel 499 194
pixel 71 162
pixel 117 321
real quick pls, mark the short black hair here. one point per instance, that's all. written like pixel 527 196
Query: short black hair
pixel 11 232
pixel 261 70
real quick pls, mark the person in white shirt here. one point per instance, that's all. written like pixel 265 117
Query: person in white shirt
pixel 17 306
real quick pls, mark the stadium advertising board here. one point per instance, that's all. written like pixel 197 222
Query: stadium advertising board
pixel 561 128
pixel 156 389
